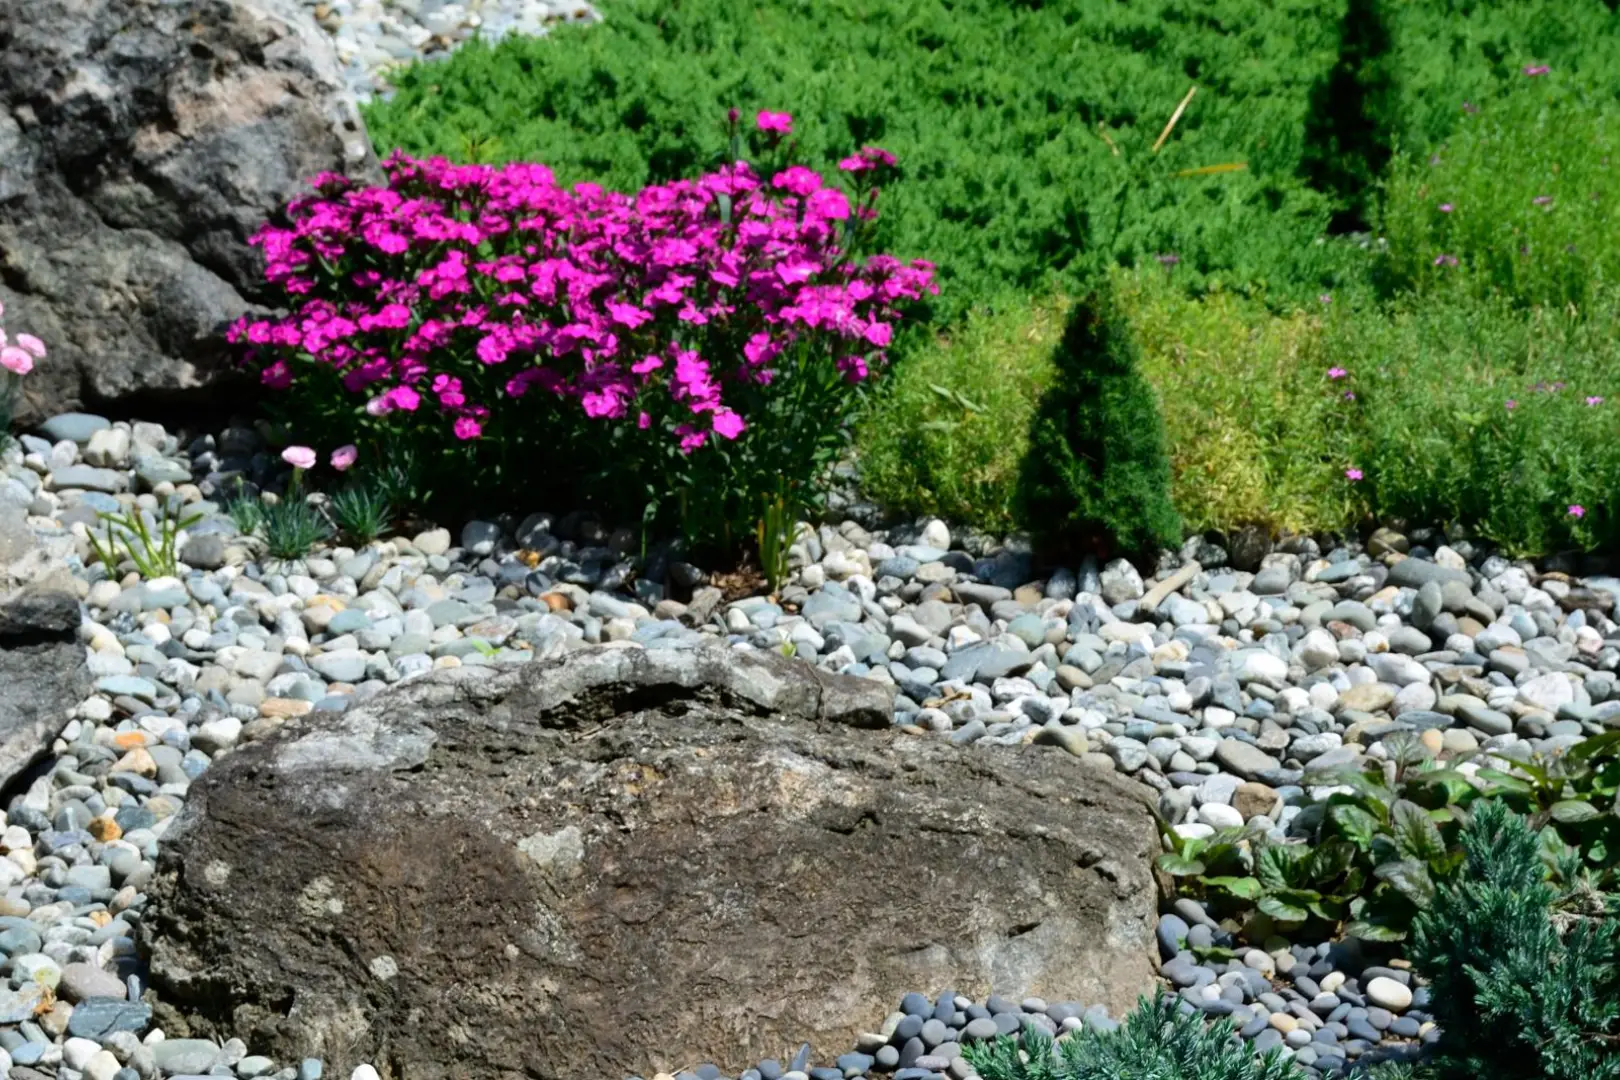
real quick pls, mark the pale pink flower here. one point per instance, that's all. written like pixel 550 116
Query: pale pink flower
pixel 299 457
pixel 1446 208
pixel 344 456
pixel 1576 510
pixel 1352 474
pixel 1337 373
pixel 15 360
pixel 1594 400
pixel 32 344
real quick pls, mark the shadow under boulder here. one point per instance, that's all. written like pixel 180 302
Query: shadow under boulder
pixel 626 861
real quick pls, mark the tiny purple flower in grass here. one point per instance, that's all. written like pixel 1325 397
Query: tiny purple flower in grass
pixel 344 456
pixel 1532 70
pixel 1349 395
pixel 1445 260
pixel 1446 208
pixel 299 457
pixel 1337 373
pixel 1594 400
pixel 779 122
pixel 1510 404
pixel 1576 510
pixel 1352 474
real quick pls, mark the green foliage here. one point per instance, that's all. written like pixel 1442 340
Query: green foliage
pixel 292 526
pixel 151 545
pixel 1570 799
pixel 1519 992
pixel 1097 474
pixel 361 512
pixel 1020 177
pixel 1256 431
pixel 1370 860
pixel 1521 196
pixel 1158 1041
pixel 1472 411
pixel 947 433
pixel 245 511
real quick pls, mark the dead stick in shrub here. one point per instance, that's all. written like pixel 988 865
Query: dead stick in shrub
pixel 1171 126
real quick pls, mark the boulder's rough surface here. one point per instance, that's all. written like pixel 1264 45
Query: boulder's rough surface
pixel 141 144
pixel 624 861
pixel 42 667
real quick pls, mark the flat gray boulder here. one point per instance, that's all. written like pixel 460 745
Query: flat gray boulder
pixel 625 861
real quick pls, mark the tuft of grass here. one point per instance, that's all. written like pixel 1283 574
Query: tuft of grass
pixel 948 432
pixel 362 513
pixel 151 544
pixel 292 527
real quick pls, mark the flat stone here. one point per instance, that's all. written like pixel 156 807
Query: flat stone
pixel 75 427
pixel 1243 759
pixel 82 981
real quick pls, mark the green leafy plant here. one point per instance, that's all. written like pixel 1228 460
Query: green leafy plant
pixel 1158 1041
pixel 1097 475
pixel 1569 798
pixel 151 545
pixel 245 511
pixel 360 512
pixel 1519 989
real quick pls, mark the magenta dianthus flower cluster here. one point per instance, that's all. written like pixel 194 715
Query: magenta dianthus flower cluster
pixel 453 290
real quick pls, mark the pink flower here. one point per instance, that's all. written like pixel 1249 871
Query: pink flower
pixel 299 457
pixel 467 428
pixel 32 344
pixel 727 424
pixel 1576 510
pixel 1594 400
pixel 797 179
pixel 1446 208
pixel 829 203
pixel 15 360
pixel 1349 395
pixel 344 456
pixel 1445 260
pixel 779 122
pixel 1326 298
pixel 1352 474
pixel 1510 404
pixel 644 421
pixel 1532 70
pixel 1337 373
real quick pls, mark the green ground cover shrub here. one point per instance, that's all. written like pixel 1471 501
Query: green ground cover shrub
pixel 949 432
pixel 1525 983
pixel 1520 201
pixel 1026 131
pixel 1470 411
pixel 1156 1042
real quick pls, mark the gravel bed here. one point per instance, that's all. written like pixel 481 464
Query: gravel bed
pixel 1228 691
pixel 373 37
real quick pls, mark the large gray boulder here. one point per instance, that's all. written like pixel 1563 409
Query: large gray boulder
pixel 43 675
pixel 141 144
pixel 625 861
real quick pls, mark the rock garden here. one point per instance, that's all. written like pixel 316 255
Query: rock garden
pixel 790 543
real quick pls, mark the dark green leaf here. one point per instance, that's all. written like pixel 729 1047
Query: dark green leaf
pixel 1571 811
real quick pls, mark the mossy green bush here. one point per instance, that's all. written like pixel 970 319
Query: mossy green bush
pixel 948 433
pixel 1097 475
